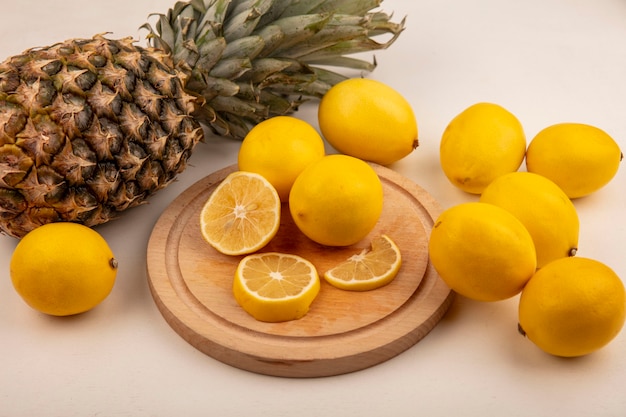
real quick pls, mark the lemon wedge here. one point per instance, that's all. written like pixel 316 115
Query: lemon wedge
pixel 370 269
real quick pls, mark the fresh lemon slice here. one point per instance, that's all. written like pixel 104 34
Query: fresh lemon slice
pixel 368 270
pixel 242 215
pixel 275 287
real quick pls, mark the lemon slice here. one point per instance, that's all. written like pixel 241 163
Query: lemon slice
pixel 368 270
pixel 242 215
pixel 275 287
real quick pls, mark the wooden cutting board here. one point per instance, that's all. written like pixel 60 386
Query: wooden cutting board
pixel 343 331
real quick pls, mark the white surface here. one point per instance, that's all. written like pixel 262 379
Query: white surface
pixel 547 61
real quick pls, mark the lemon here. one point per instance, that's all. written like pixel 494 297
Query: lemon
pixel 578 157
pixel 572 307
pixel 543 208
pixel 242 214
pixel 63 269
pixel 337 200
pixel 368 270
pixel 481 143
pixel 279 149
pixel 482 251
pixel 275 287
pixel 369 120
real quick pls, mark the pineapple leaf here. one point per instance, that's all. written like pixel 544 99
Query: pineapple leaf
pixel 247 47
pixel 263 68
pixel 345 62
pixel 348 7
pixel 253 7
pixel 264 57
pixel 297 8
pixel 297 29
pixel 231 68
pixel 242 108
pixel 239 26
pixel 210 54
pixel 218 87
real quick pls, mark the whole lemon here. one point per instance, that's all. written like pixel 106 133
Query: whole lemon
pixel 572 307
pixel 63 268
pixel 481 143
pixel 279 149
pixel 578 157
pixel 337 200
pixel 543 208
pixel 369 120
pixel 482 251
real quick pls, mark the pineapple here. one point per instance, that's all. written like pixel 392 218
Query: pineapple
pixel 92 127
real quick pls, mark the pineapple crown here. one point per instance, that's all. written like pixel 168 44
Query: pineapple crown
pixel 249 60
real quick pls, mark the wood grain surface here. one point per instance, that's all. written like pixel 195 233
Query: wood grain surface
pixel 344 331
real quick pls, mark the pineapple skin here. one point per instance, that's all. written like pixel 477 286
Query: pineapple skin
pixel 92 127
pixel 88 129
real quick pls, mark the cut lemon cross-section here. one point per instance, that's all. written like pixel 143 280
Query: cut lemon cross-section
pixel 275 287
pixel 368 270
pixel 242 215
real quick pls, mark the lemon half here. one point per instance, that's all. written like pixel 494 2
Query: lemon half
pixel 241 215
pixel 275 287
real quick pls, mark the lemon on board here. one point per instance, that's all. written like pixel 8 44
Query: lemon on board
pixel 482 251
pixel 279 149
pixel 242 214
pixel 337 200
pixel 481 143
pixel 578 157
pixel 545 210
pixel 275 287
pixel 369 269
pixel 369 120
pixel 572 307
pixel 63 269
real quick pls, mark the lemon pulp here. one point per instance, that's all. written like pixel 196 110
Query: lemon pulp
pixel 275 287
pixel 368 270
pixel 242 214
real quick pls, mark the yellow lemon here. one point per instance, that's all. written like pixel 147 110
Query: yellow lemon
pixel 241 215
pixel 63 269
pixel 572 307
pixel 369 120
pixel 481 143
pixel 369 269
pixel 279 149
pixel 579 158
pixel 482 251
pixel 337 200
pixel 275 287
pixel 545 210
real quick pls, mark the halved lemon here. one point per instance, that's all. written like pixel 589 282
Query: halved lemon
pixel 242 215
pixel 275 287
pixel 370 269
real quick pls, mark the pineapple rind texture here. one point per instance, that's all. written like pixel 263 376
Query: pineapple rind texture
pixel 92 127
pixel 88 129
pixel 254 59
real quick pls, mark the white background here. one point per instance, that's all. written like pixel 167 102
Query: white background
pixel 547 61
